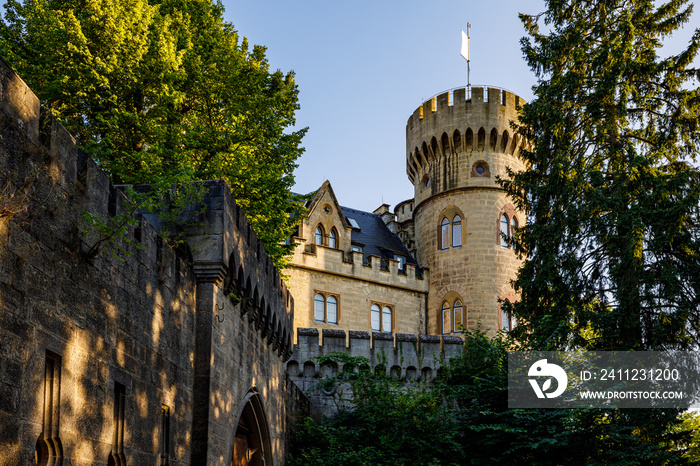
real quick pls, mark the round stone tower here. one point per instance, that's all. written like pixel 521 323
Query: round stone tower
pixel 455 149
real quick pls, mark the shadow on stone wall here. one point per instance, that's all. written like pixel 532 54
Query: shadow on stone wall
pixel 130 359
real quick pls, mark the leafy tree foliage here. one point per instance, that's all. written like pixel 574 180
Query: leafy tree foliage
pixel 611 190
pixel 162 92
pixel 384 424
pixel 476 382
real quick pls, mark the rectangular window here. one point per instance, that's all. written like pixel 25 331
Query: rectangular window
pixel 386 319
pixel 332 310
pixel 506 321
pixel 446 320
pixel 445 235
pixel 457 319
pixel 48 445
pixel 375 318
pixel 319 308
pixel 117 454
pixel 165 436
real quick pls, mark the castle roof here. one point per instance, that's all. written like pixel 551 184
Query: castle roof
pixel 374 236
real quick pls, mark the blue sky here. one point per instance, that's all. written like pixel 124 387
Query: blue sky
pixel 364 66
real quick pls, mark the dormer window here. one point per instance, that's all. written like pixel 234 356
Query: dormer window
pixel 402 262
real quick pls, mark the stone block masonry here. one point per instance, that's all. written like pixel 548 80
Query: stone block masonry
pixel 153 357
pixel 405 357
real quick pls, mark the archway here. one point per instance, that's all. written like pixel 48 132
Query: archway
pixel 251 445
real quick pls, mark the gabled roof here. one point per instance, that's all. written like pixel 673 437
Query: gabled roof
pixel 326 188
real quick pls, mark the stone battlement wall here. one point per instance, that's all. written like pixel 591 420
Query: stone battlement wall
pixel 145 342
pixel 405 357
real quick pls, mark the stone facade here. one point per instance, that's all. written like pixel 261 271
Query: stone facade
pixel 153 357
pixel 404 357
pixel 357 280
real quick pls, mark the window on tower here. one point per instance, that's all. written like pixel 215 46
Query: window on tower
pixel 507 226
pixel 450 229
pixel 444 233
pixel 452 314
pixel 456 231
pixel 504 231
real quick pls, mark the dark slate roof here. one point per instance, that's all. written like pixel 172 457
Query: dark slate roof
pixel 374 236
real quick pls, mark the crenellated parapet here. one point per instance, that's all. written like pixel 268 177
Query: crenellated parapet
pixel 225 250
pixel 450 124
pixel 404 357
pixel 356 265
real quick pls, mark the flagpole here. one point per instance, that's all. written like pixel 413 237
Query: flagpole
pixel 469 82
pixel 465 55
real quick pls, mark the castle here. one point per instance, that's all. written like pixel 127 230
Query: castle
pixel 189 356
pixel 441 261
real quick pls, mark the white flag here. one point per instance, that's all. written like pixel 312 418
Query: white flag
pixel 465 46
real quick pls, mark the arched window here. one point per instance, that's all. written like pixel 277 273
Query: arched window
pixel 457 316
pixel 319 235
pixel 326 308
pixel 375 318
pixel 456 231
pixel 504 230
pixel 332 239
pixel 445 233
pixel 332 310
pixel 319 308
pixel 507 323
pixel 513 226
pixel 445 317
pixel 386 319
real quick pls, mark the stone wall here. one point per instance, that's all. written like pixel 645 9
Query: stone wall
pixel 126 359
pixel 408 358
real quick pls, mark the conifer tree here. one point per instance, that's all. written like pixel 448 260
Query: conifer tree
pixel 612 187
pixel 162 92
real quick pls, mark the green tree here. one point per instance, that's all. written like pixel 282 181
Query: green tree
pixel 491 433
pixel 164 92
pixel 386 423
pixel 611 190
